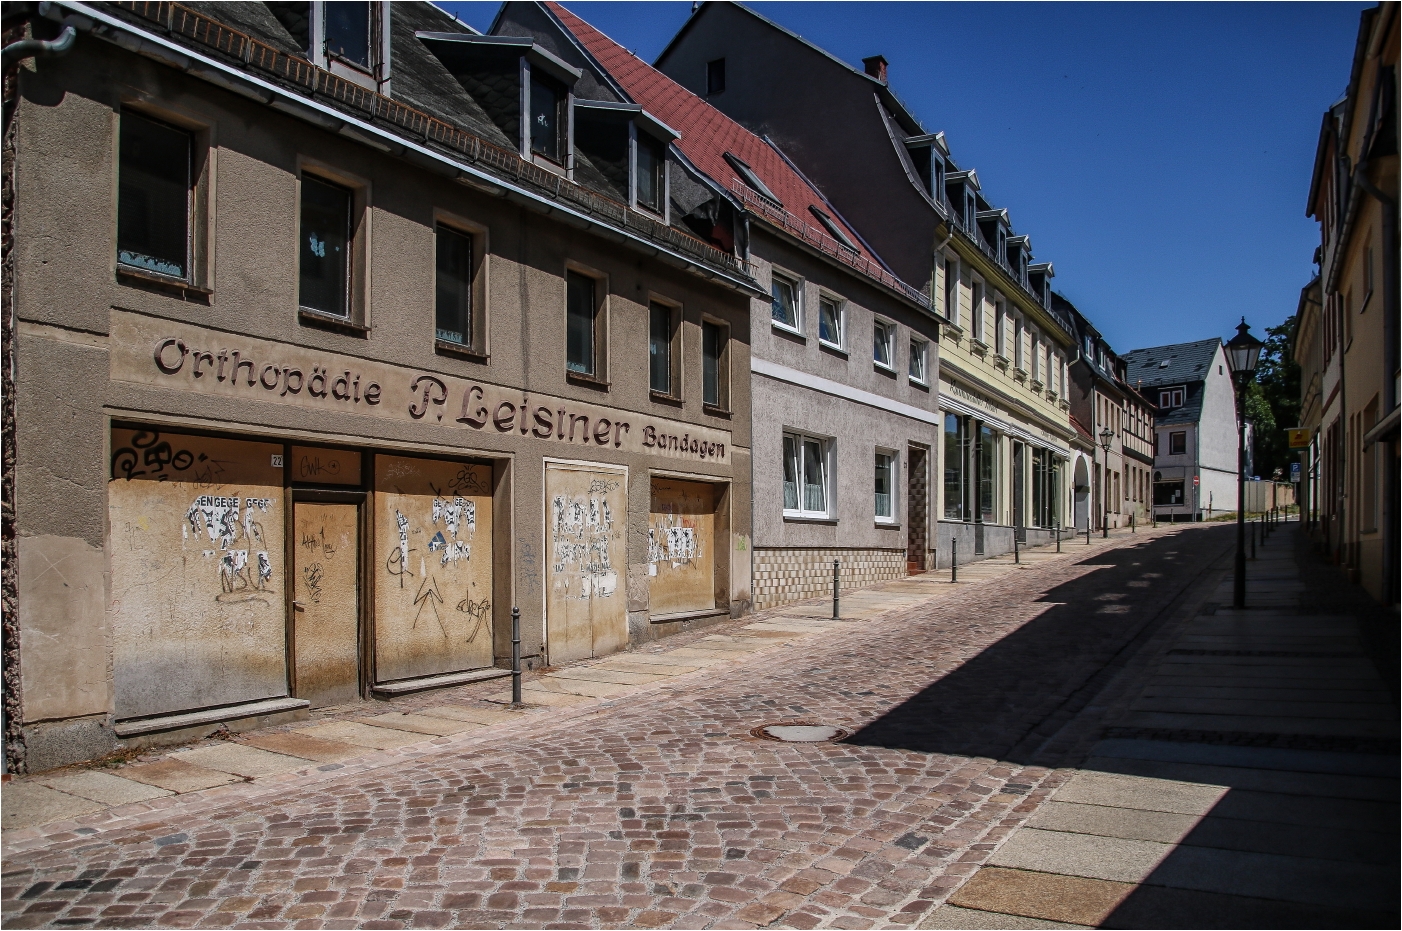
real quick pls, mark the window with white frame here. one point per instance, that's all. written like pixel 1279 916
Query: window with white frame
pixel 1019 360
pixel 832 322
pixel 951 289
pixel 883 344
pixel 919 361
pixel 1000 322
pixel 807 476
pixel 976 310
pixel 1036 372
pixel 784 304
pixel 1170 398
pixel 886 474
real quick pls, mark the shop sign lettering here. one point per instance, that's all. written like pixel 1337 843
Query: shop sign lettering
pixel 168 354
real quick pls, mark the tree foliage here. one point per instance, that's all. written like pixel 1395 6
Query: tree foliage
pixel 1273 402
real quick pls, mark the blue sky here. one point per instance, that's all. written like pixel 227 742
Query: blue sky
pixel 1158 154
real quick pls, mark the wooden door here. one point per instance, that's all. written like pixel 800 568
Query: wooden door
pixel 586 514
pixel 326 605
pixel 433 567
pixel 681 558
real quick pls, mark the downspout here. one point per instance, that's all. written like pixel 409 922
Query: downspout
pixel 11 702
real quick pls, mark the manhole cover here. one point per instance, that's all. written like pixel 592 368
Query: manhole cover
pixel 800 733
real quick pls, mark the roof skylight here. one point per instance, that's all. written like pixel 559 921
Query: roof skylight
pixel 747 174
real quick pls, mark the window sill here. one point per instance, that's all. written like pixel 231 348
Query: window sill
pixel 922 385
pixel 833 348
pixel 954 331
pixel 801 519
pixel 331 322
pixel 884 369
pixel 137 276
pixel 788 330
pixel 1001 361
pixel 887 524
pixel 580 378
pixel 663 397
pixel 462 351
pixel 715 411
pixel 1035 385
pixel 979 346
pixel 1020 374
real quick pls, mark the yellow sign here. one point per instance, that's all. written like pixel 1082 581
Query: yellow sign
pixel 1299 438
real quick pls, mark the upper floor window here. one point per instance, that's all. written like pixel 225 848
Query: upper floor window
pixel 1019 360
pixel 454 286
pixel 1000 323
pixel 784 307
pixel 153 197
pixel 349 28
pixel 1170 398
pixel 883 340
pixel 976 309
pixel 748 175
pixel 348 38
pixel 652 173
pixel 919 361
pixel 715 76
pixel 1178 443
pixel 715 364
pixel 325 267
pixel 662 358
pixel 832 323
pixel 951 289
pixel 581 311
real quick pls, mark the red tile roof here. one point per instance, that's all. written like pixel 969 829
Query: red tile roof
pixel 707 134
pixel 1081 429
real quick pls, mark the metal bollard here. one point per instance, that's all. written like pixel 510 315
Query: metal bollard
pixel 1087 531
pixel 1017 550
pixel 1253 539
pixel 1058 536
pixel 1132 527
pixel 515 655
pixel 953 560
pixel 835 585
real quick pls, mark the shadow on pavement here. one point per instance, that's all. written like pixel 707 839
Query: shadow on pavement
pixel 1006 701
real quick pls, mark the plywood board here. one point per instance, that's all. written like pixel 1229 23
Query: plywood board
pixel 586 514
pixel 433 567
pixel 326 612
pixel 198 616
pixel 681 535
pixel 322 465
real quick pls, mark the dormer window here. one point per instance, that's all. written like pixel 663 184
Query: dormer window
pixel 1169 398
pixel 651 173
pixel 747 175
pixel 548 118
pixel 925 155
pixel 833 229
pixel 349 39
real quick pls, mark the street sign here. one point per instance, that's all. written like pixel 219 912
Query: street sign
pixel 1196 480
pixel 1295 472
pixel 1299 437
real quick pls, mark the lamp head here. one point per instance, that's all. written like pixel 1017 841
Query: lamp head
pixel 1243 353
pixel 1107 436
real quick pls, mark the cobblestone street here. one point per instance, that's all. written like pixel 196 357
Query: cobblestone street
pixel 659 807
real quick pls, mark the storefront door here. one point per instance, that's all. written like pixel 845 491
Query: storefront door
pixel 586 515
pixel 326 605
pixel 681 559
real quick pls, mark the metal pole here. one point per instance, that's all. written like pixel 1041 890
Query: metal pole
pixel 1058 535
pixel 1132 528
pixel 1017 552
pixel 1239 580
pixel 515 655
pixel 954 560
pixel 1087 531
pixel 835 584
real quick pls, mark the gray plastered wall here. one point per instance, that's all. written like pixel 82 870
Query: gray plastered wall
pixel 68 292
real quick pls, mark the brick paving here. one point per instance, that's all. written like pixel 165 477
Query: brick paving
pixel 657 807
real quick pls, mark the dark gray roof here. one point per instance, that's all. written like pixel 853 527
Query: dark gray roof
pixel 1186 363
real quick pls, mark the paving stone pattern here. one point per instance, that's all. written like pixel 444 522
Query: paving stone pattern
pixel 653 806
pixel 1246 776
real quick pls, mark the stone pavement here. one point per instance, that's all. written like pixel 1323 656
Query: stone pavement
pixel 1244 774
pixel 657 805
pixel 352 731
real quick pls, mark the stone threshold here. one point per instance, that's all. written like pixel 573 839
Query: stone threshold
pixel 407 686
pixel 172 722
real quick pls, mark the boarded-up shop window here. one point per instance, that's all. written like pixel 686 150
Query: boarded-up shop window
pixel 198 617
pixel 432 568
pixel 586 513
pixel 681 554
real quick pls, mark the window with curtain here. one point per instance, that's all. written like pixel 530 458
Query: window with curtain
pixel 885 486
pixel 806 480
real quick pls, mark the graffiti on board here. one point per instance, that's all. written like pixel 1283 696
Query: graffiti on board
pixel 583 529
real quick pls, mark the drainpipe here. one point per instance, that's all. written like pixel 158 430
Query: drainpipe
pixel 11 710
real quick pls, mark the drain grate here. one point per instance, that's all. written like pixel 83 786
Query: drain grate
pixel 800 732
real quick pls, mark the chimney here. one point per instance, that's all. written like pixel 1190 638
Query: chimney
pixel 876 67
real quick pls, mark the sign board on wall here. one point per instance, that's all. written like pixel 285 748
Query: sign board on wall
pixel 185 357
pixel 1299 437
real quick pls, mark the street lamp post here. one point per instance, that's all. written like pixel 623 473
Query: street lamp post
pixel 1107 436
pixel 1243 352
